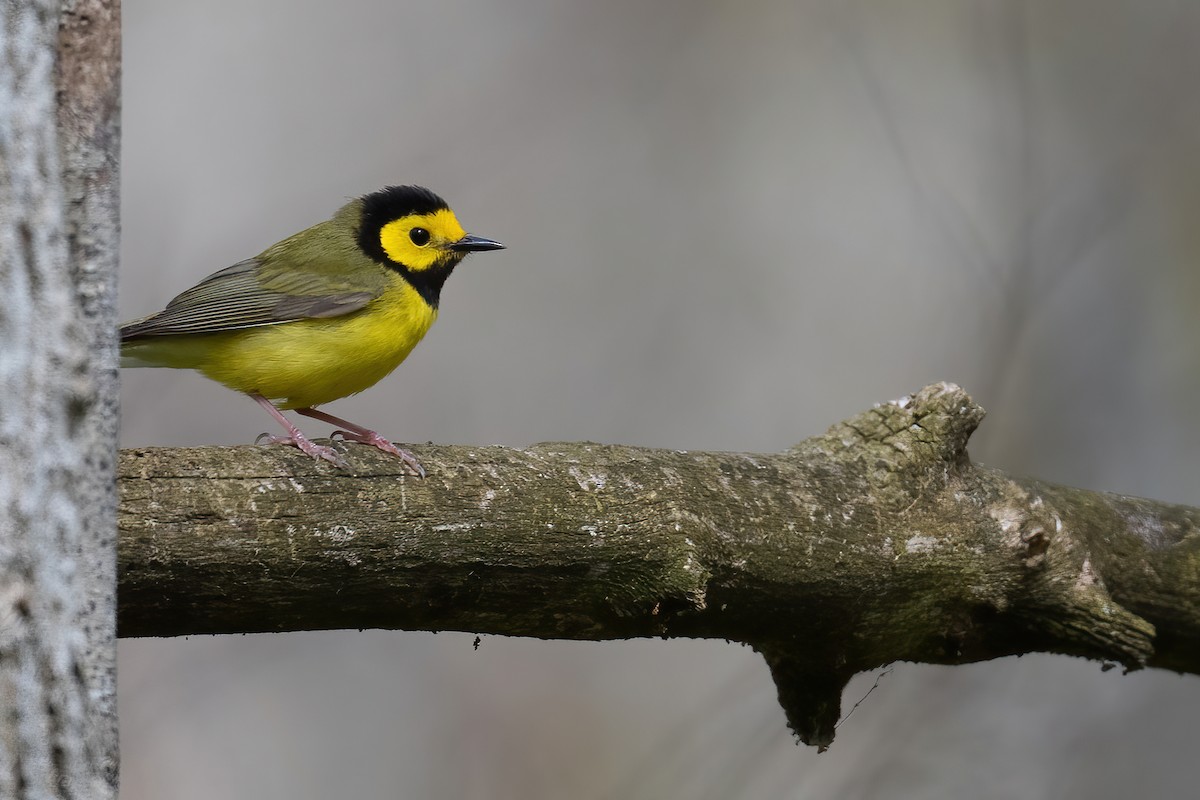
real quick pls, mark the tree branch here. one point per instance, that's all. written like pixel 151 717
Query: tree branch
pixel 876 542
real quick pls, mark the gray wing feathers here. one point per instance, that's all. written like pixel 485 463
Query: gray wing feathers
pixel 236 298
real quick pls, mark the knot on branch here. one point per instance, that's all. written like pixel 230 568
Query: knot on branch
pixel 904 449
pixel 923 429
pixel 1063 585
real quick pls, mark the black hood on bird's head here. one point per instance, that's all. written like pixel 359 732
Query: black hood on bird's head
pixel 393 202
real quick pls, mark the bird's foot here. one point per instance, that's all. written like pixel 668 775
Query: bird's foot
pixel 375 440
pixel 307 447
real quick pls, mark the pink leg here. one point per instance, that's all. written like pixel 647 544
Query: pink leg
pixel 357 433
pixel 295 437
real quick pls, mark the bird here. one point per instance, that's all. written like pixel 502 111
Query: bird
pixel 323 314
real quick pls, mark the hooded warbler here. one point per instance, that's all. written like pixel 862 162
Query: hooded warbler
pixel 322 314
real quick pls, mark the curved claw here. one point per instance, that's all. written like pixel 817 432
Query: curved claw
pixel 351 432
pixel 307 447
pixel 295 437
pixel 375 440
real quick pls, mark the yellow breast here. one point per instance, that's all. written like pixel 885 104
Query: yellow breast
pixel 312 361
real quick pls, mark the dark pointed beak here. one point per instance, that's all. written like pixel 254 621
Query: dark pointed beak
pixel 475 244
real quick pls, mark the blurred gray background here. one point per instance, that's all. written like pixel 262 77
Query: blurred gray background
pixel 729 226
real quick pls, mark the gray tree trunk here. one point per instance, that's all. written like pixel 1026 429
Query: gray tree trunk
pixel 59 84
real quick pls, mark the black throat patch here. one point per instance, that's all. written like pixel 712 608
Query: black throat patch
pixel 427 282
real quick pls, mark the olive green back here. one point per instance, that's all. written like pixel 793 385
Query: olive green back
pixel 319 272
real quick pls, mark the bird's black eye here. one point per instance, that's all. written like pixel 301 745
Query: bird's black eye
pixel 419 236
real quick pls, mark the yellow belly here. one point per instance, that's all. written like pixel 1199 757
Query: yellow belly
pixel 305 362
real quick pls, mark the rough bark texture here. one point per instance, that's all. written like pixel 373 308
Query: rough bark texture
pixel 876 542
pixel 89 129
pixel 57 503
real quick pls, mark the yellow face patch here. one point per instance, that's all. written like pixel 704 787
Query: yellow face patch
pixel 421 241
